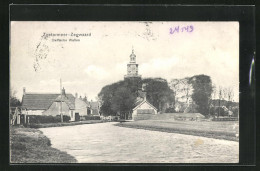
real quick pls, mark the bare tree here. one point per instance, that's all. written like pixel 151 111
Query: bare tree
pixel 213 96
pixel 220 97
pixel 186 89
pixel 174 85
pixel 225 93
pixel 230 96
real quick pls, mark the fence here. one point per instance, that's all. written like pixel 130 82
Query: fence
pixel 225 119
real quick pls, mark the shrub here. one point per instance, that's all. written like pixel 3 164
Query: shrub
pixel 170 110
pixel 218 111
pixel 47 119
pixel 65 118
pixel 235 111
pixel 18 146
pixel 90 117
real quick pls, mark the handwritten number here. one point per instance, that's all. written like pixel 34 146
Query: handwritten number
pixel 184 28
pixel 191 27
pixel 177 29
pixel 171 32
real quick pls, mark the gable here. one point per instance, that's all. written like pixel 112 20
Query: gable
pixel 145 105
pixel 55 109
pixel 80 104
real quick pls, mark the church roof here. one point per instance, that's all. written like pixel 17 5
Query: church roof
pixel 139 103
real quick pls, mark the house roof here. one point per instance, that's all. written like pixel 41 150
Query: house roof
pixel 37 101
pixel 139 103
pixel 81 103
pixel 94 105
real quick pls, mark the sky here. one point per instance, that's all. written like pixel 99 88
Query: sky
pixel 101 54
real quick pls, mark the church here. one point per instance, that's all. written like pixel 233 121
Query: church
pixel 132 67
pixel 142 109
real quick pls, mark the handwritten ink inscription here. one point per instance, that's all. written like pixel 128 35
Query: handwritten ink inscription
pixel 179 29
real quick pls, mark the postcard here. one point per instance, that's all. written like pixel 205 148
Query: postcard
pixel 124 92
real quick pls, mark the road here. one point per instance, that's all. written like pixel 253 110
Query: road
pixel 107 143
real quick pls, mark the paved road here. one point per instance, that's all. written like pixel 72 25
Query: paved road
pixel 106 143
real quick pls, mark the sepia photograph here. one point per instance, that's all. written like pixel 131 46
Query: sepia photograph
pixel 124 92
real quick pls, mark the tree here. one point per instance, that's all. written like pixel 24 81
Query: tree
pixel 158 93
pixel 174 85
pixel 123 101
pixel 220 97
pixel 187 89
pixel 105 98
pixel 121 96
pixel 110 98
pixel 202 90
pixel 211 101
pixel 14 101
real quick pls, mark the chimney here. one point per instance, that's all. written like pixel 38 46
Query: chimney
pixel 76 95
pixel 144 96
pixel 63 92
pixel 85 98
pixel 24 91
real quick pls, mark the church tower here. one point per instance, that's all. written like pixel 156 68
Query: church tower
pixel 132 67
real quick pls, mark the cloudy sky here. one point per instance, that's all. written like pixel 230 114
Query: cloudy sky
pixel 85 66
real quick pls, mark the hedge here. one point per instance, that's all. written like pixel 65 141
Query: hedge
pixel 92 117
pixel 47 119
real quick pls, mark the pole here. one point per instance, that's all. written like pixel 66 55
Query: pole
pixel 61 115
pixel 218 107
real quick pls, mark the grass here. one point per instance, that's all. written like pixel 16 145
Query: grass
pixel 28 145
pixel 227 130
pixel 46 125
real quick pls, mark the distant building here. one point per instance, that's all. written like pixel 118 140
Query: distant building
pixel 94 108
pixel 143 110
pixel 132 67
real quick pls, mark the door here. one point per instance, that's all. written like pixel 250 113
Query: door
pixel 77 117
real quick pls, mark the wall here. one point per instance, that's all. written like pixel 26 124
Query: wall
pixel 80 107
pixel 94 111
pixel 33 112
pixel 142 117
pixel 54 109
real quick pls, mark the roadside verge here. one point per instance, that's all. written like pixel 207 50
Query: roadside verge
pixel 188 128
pixel 29 145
